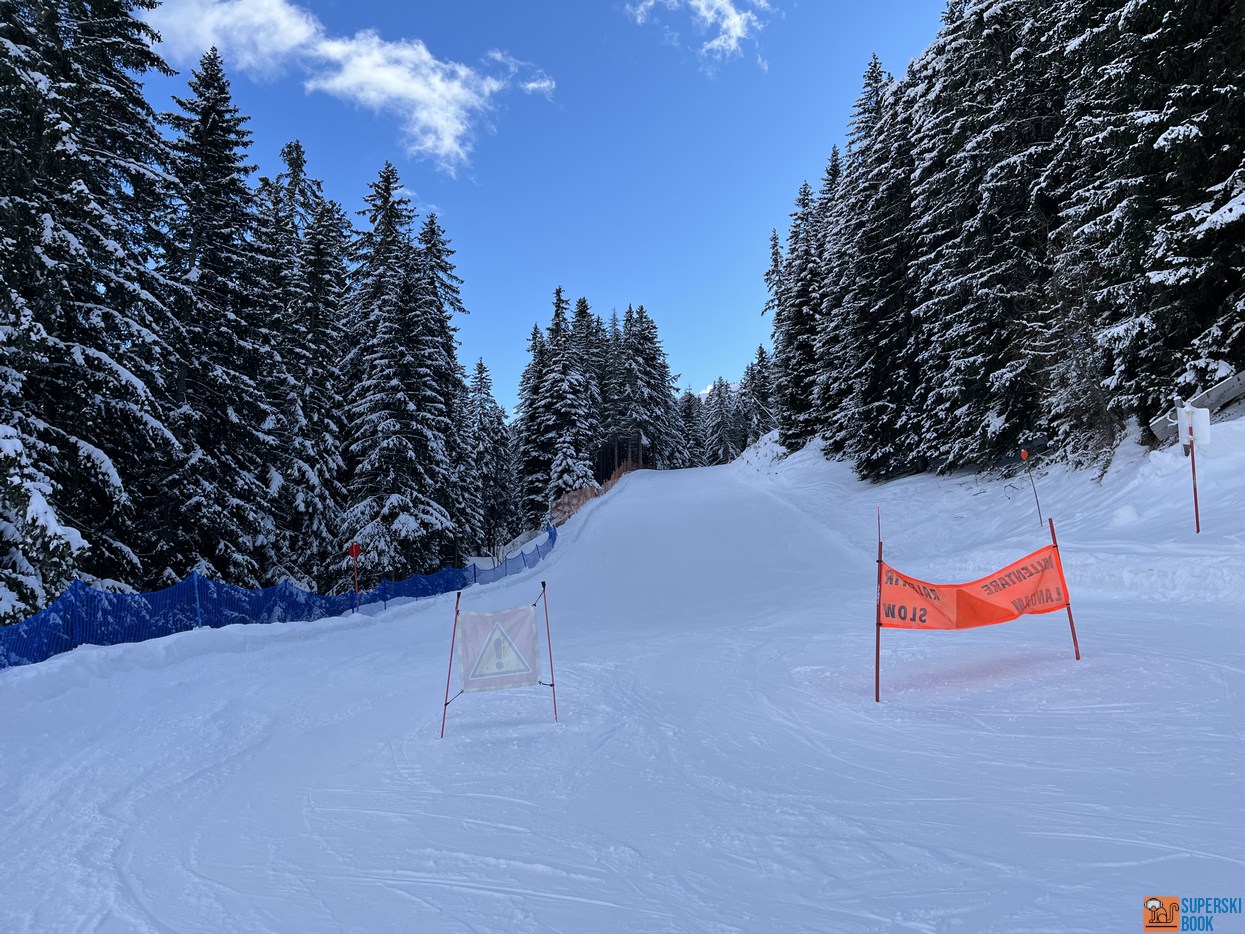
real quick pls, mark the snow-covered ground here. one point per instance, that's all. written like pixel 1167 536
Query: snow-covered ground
pixel 719 765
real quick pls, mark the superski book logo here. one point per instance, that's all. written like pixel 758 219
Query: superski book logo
pixel 1169 913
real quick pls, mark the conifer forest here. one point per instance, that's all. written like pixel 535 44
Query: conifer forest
pixel 1034 235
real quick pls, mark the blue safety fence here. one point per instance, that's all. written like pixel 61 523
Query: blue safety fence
pixel 83 615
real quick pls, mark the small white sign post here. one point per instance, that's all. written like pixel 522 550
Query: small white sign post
pixel 1194 424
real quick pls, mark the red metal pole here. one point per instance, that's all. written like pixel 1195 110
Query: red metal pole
pixel 356 583
pixel 549 642
pixel 877 646
pixel 1076 646
pixel 450 670
pixel 1197 518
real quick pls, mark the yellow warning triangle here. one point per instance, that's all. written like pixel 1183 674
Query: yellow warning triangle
pixel 500 656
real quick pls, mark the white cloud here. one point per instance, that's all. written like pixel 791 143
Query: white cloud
pixel 537 81
pixel 733 21
pixel 542 85
pixel 259 36
pixel 733 24
pixel 438 102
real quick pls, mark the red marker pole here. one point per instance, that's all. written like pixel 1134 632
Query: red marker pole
pixel 1197 518
pixel 877 643
pixel 354 551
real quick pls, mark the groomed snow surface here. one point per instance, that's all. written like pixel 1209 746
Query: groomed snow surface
pixel 719 763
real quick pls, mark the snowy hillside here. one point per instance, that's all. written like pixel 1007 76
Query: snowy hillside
pixel 719 765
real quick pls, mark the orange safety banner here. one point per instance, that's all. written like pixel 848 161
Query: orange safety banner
pixel 1034 584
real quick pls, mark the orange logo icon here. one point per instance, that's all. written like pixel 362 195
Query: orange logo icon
pixel 1161 913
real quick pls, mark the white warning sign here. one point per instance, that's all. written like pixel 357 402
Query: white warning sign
pixel 498 650
pixel 1196 420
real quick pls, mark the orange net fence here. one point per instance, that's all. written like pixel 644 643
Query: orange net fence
pixel 570 503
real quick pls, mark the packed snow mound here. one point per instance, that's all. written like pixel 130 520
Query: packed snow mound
pixel 719 763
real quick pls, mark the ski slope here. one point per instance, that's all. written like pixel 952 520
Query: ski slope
pixel 719 765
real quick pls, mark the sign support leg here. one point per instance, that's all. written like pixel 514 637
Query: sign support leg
pixel 549 642
pixel 449 671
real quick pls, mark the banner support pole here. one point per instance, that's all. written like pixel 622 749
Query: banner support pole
pixel 1024 456
pixel 877 644
pixel 549 642
pixel 449 671
pixel 1197 516
pixel 1076 647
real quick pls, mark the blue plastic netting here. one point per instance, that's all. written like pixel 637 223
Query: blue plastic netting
pixel 86 616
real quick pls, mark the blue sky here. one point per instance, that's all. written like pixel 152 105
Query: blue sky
pixel 631 151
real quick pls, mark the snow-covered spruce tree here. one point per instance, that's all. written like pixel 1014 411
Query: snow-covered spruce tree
pixel 33 571
pixel 830 383
pixel 613 398
pixel 395 453
pixel 691 417
pixel 833 352
pixel 1195 258
pixel 859 345
pixel 794 286
pixel 723 438
pixel 1220 347
pixel 469 517
pixel 881 432
pixel 276 294
pixel 214 513
pixel 984 122
pixel 453 486
pixel 569 471
pixel 1139 270
pixel 1076 413
pixel 322 391
pixel 305 241
pixel 570 398
pixel 534 437
pixel 755 398
pixel 588 350
pixel 1144 165
pixel 945 183
pixel 651 420
pixel 824 204
pixel 492 463
pixel 81 306
pixel 37 553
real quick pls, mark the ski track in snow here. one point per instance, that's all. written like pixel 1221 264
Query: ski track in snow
pixel 720 765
